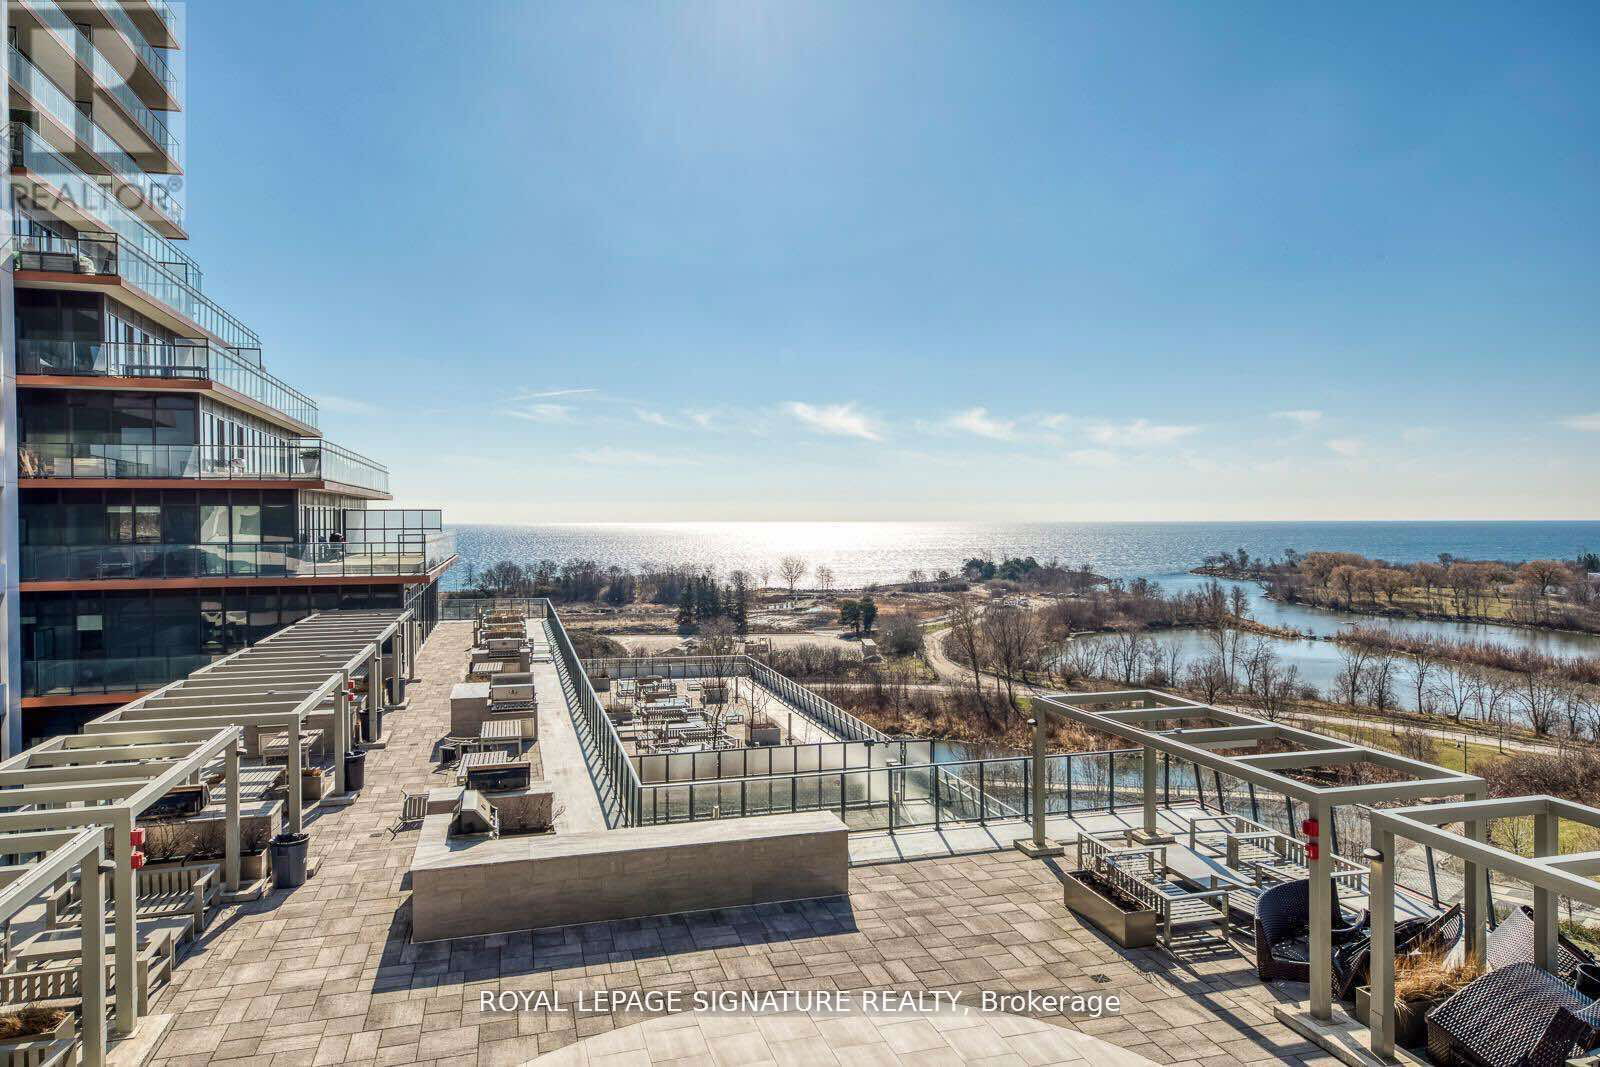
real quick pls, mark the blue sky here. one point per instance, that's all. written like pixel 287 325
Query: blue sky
pixel 594 262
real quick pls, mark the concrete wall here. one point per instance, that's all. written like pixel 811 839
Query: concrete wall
pixel 464 887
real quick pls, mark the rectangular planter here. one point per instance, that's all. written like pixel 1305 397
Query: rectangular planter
pixel 1130 929
pixel 314 785
pixel 1410 1020
pixel 34 1050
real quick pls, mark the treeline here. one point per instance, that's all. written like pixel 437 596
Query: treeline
pixel 1026 572
pixel 1543 592
pixel 1143 603
pixel 1502 657
pixel 586 581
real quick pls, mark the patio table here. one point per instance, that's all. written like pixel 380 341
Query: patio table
pixel 67 943
pixel 480 759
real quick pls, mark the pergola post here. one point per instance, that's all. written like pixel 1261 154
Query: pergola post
pixel 1321 919
pixel 1546 842
pixel 1381 902
pixel 1038 845
pixel 230 851
pixel 415 642
pixel 295 763
pixel 123 892
pixel 92 973
pixel 1150 833
pixel 341 736
pixel 376 697
pixel 1475 897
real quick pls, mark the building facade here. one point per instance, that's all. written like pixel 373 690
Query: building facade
pixel 167 500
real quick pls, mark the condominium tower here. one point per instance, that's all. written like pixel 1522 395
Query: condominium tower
pixel 166 500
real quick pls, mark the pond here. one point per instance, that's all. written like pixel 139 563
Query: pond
pixel 1318 661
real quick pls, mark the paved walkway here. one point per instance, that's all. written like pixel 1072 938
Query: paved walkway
pixel 326 973
pixel 564 765
pixel 891 1039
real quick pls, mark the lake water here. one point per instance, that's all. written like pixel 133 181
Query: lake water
pixel 864 552
pixel 867 552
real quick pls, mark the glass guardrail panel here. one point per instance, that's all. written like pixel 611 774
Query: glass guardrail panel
pixel 135 37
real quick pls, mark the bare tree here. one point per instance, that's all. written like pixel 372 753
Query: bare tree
pixel 1208 677
pixel 1353 660
pixel 966 635
pixel 824 578
pixel 1129 649
pixel 1420 669
pixel 1011 635
pixel 1457 687
pixel 792 569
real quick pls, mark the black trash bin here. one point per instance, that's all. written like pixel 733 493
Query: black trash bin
pixel 289 859
pixel 371 725
pixel 355 769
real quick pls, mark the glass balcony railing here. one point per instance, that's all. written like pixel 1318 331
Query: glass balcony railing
pixel 292 561
pixel 104 253
pixel 48 96
pixel 151 56
pixel 90 196
pixel 195 359
pixel 79 45
pixel 295 461
pixel 48 677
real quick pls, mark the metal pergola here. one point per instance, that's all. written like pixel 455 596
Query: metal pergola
pixel 58 854
pixel 106 780
pixel 1128 714
pixel 1551 875
pixel 277 684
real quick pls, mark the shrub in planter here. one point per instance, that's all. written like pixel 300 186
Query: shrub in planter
pixel 1422 981
pixel 33 1024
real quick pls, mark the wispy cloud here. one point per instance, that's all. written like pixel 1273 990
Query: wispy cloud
pixel 1417 435
pixel 545 413
pixel 607 456
pixel 1092 457
pixel 701 419
pixel 1347 446
pixel 837 420
pixel 1583 423
pixel 654 418
pixel 540 394
pixel 1304 417
pixel 980 423
pixel 344 405
pixel 1138 433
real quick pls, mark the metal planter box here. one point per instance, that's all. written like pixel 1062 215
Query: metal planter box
pixel 1130 929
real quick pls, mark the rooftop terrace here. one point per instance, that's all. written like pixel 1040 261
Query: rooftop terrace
pixel 327 973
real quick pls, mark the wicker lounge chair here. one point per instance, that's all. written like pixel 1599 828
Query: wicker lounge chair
pixel 1352 960
pixel 1517 1016
pixel 1283 931
pixel 1512 942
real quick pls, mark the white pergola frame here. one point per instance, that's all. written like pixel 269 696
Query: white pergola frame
pixel 278 683
pixel 107 780
pixel 1551 874
pixel 59 853
pixel 1122 714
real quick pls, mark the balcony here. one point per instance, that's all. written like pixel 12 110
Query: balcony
pixel 129 117
pixel 79 136
pixel 309 460
pixel 193 360
pixel 297 561
pixel 163 87
pixel 64 677
pixel 103 255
